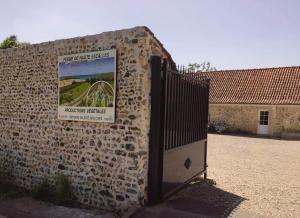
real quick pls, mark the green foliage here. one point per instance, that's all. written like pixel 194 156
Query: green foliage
pixel 59 194
pixel 203 67
pixel 63 191
pixel 207 181
pixel 11 42
pixel 218 127
pixel 7 190
pixel 42 191
pixel 2 173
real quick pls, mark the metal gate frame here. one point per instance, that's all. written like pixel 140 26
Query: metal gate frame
pixel 159 69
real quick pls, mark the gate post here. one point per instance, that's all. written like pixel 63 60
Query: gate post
pixel 206 128
pixel 155 167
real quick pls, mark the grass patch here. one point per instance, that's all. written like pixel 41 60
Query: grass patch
pixel 42 191
pixel 8 191
pixel 60 193
pixel 200 179
pixel 63 192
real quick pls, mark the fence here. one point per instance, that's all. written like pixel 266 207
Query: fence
pixel 179 117
pixel 185 103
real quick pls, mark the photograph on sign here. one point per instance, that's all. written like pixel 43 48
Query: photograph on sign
pixel 87 86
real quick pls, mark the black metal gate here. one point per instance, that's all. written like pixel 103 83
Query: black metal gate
pixel 178 128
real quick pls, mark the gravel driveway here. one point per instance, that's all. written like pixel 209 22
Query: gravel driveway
pixel 266 172
pixel 255 177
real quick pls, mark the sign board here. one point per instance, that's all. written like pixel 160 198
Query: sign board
pixel 87 86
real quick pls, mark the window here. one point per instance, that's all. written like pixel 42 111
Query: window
pixel 264 118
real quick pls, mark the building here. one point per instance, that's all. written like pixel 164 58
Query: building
pixel 260 101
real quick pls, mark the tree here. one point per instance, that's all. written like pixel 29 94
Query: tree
pixel 203 67
pixel 11 42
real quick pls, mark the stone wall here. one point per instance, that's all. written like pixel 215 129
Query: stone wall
pixel 106 163
pixel 287 119
pixel 245 117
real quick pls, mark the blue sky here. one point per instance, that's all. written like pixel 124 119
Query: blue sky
pixel 228 33
pixel 87 67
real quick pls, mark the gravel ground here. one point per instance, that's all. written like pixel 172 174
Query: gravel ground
pixel 266 172
pixel 255 177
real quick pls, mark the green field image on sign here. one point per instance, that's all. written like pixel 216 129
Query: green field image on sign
pixel 89 89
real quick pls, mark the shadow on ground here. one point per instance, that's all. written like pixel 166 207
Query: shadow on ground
pixel 27 207
pixel 196 200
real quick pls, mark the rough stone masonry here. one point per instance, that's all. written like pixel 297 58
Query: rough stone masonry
pixel 106 163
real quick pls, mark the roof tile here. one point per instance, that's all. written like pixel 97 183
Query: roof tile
pixel 255 86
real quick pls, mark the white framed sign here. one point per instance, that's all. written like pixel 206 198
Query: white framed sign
pixel 87 86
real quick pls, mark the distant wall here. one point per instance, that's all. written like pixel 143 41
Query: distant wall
pixel 107 163
pixel 245 117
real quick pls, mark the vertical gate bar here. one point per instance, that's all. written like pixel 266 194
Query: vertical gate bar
pixel 170 108
pixel 207 108
pixel 194 114
pixel 162 83
pixel 156 149
pixel 165 88
pixel 168 138
pixel 181 119
pixel 186 113
pixel 175 110
pixel 205 160
pixel 184 110
pixel 195 111
pixel 203 112
pixel 179 110
pixel 172 111
pixel 206 125
pixel 190 110
pixel 199 111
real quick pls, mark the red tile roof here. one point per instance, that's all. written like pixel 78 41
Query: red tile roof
pixel 255 86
